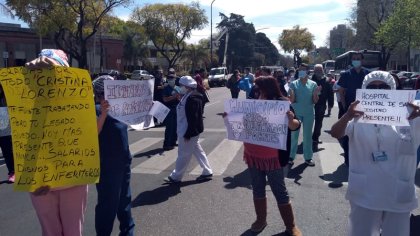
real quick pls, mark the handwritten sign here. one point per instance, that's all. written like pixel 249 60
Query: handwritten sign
pixel 159 111
pixel 387 107
pixel 131 101
pixel 262 122
pixel 54 133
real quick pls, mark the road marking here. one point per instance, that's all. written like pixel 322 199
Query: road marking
pixel 332 163
pixel 158 163
pixel 220 157
pixel 211 104
pixel 142 144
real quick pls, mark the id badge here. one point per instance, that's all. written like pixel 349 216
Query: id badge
pixel 379 156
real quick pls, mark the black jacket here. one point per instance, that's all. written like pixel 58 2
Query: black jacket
pixel 194 113
pixel 327 93
pixel 284 155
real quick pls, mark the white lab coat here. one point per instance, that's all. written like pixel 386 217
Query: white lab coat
pixel 383 185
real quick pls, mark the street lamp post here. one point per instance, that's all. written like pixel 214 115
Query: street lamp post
pixel 211 32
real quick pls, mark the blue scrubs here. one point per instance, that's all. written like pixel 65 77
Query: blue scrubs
pixel 114 194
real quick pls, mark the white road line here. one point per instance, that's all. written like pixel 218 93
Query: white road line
pixel 157 163
pixel 331 160
pixel 212 103
pixel 220 157
pixel 143 144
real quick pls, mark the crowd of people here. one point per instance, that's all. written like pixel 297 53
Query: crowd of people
pixel 375 208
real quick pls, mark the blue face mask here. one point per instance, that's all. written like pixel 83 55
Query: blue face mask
pixel 356 63
pixel 302 73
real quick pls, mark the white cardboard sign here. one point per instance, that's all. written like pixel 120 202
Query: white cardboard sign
pixel 386 107
pixel 261 122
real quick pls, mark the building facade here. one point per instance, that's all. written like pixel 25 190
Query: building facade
pixel 19 45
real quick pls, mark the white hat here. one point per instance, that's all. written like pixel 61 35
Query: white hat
pixel 383 76
pixel 188 81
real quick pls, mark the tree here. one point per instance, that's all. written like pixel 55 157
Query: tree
pixel 367 17
pixel 402 27
pixel 72 22
pixel 168 25
pixel 264 46
pixel 197 55
pixel 295 41
pixel 6 11
pixel 241 43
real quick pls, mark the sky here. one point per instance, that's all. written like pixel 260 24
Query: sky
pixel 268 16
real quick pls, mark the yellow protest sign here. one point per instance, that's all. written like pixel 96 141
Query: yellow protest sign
pixel 54 131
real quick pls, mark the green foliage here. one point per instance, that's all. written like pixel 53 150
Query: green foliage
pixel 241 44
pixel 168 25
pixel 402 26
pixel 264 46
pixel 296 39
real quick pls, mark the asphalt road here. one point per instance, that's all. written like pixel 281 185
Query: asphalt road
pixel 222 206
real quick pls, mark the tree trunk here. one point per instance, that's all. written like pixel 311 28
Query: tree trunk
pixel 83 56
pixel 408 54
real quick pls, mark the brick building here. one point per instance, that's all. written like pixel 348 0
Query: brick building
pixel 19 45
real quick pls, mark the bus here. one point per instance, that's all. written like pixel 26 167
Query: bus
pixel 328 65
pixel 371 60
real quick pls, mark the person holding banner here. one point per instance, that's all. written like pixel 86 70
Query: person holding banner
pixel 189 127
pixel 303 94
pixel 267 163
pixel 114 193
pixel 60 211
pixel 381 188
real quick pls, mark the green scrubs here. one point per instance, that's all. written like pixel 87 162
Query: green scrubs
pixel 304 109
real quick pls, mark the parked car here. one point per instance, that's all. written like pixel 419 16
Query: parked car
pixel 218 76
pixel 141 75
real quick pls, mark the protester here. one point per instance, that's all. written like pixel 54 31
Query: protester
pixel 253 94
pixel 336 89
pixel 6 140
pixel 397 81
pixel 189 127
pixel 326 97
pixel 171 99
pixel 114 194
pixel 60 211
pixel 291 75
pixel 246 82
pixel 279 75
pixel 381 187
pixel 233 84
pixel 199 78
pixel 303 94
pixel 350 81
pixel 265 163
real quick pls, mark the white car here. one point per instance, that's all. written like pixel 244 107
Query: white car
pixel 141 75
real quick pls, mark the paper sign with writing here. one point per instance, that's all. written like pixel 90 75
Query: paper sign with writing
pixel 262 122
pixel 54 131
pixel 131 101
pixel 387 107
pixel 159 111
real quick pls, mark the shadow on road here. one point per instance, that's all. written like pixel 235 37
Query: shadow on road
pixel 417 179
pixel 338 177
pixel 296 173
pixel 242 179
pixel 149 153
pixel 415 225
pixel 161 194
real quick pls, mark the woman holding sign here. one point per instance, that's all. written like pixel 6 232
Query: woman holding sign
pixel 382 159
pixel 266 163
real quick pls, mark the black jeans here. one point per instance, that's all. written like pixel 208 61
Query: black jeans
pixel 319 117
pixel 275 180
pixel 7 150
pixel 170 130
pixel 234 93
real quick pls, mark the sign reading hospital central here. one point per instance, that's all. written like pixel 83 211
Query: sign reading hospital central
pixel 54 131
pixel 262 122
pixel 387 107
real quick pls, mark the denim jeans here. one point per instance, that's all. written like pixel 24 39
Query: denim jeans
pixel 275 180
pixel 170 130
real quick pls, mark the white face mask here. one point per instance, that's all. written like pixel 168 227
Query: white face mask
pixel 171 82
pixel 184 90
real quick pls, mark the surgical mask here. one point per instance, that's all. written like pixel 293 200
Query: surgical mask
pixel 302 73
pixel 183 90
pixel 292 75
pixel 171 82
pixel 356 63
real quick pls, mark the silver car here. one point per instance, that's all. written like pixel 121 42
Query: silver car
pixel 141 75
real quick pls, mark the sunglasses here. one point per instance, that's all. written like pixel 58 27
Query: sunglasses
pixel 378 86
